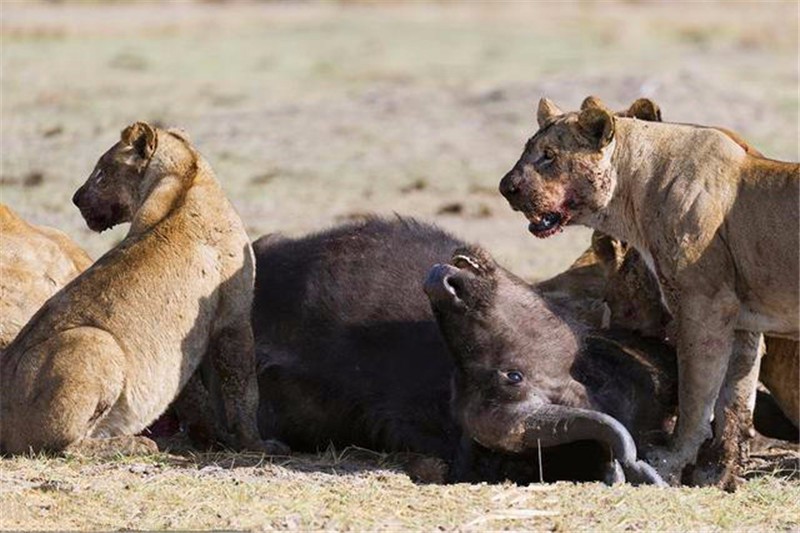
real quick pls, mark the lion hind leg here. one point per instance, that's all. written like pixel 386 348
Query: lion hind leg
pixel 74 388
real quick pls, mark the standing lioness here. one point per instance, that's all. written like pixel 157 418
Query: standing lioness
pixel 107 354
pixel 716 225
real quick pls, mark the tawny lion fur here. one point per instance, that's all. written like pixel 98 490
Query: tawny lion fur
pixel 35 262
pixel 108 353
pixel 717 225
pixel 614 272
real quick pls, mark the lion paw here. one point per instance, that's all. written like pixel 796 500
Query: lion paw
pixel 668 465
pixel 271 447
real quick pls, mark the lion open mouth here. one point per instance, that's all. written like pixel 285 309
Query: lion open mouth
pixel 95 222
pixel 102 217
pixel 548 224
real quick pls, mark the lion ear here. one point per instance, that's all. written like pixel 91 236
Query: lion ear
pixel 180 133
pixel 593 101
pixel 142 137
pixel 597 125
pixel 644 109
pixel 547 112
pixel 609 251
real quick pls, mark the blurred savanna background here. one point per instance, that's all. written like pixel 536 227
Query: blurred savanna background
pixel 313 113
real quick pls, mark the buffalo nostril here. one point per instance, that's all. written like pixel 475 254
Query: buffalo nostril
pixel 441 286
pixel 450 286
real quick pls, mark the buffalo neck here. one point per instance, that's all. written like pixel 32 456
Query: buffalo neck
pixel 562 336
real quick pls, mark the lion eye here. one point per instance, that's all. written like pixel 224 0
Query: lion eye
pixel 547 157
pixel 514 377
pixel 98 177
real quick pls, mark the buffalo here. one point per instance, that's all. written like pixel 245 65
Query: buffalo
pixel 350 351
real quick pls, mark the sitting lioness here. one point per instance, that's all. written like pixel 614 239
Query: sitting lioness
pixel 703 213
pixel 35 262
pixel 108 353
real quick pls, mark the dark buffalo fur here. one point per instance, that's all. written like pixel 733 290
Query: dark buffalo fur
pixel 349 352
pixel 347 348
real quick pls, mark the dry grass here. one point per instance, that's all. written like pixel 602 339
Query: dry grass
pixel 355 490
pixel 315 113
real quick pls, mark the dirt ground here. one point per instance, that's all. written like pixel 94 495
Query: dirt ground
pixel 316 113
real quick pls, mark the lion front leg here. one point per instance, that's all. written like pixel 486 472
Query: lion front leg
pixel 720 462
pixel 705 342
pixel 195 412
pixel 233 358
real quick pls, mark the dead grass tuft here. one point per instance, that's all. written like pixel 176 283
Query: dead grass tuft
pixel 354 489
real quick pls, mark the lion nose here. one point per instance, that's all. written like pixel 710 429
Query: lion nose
pixel 77 197
pixel 510 184
pixel 510 187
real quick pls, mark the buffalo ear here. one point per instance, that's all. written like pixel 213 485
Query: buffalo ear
pixel 597 125
pixel 547 112
pixel 142 137
pixel 474 257
pixel 644 109
pixel 593 101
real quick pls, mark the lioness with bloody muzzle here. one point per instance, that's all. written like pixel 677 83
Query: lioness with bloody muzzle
pixel 108 353
pixel 717 226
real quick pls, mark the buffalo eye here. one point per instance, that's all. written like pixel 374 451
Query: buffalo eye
pixel 514 377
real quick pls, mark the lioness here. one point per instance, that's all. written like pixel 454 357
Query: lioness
pixel 779 373
pixel 633 297
pixel 703 213
pixel 35 262
pixel 608 285
pixel 108 353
